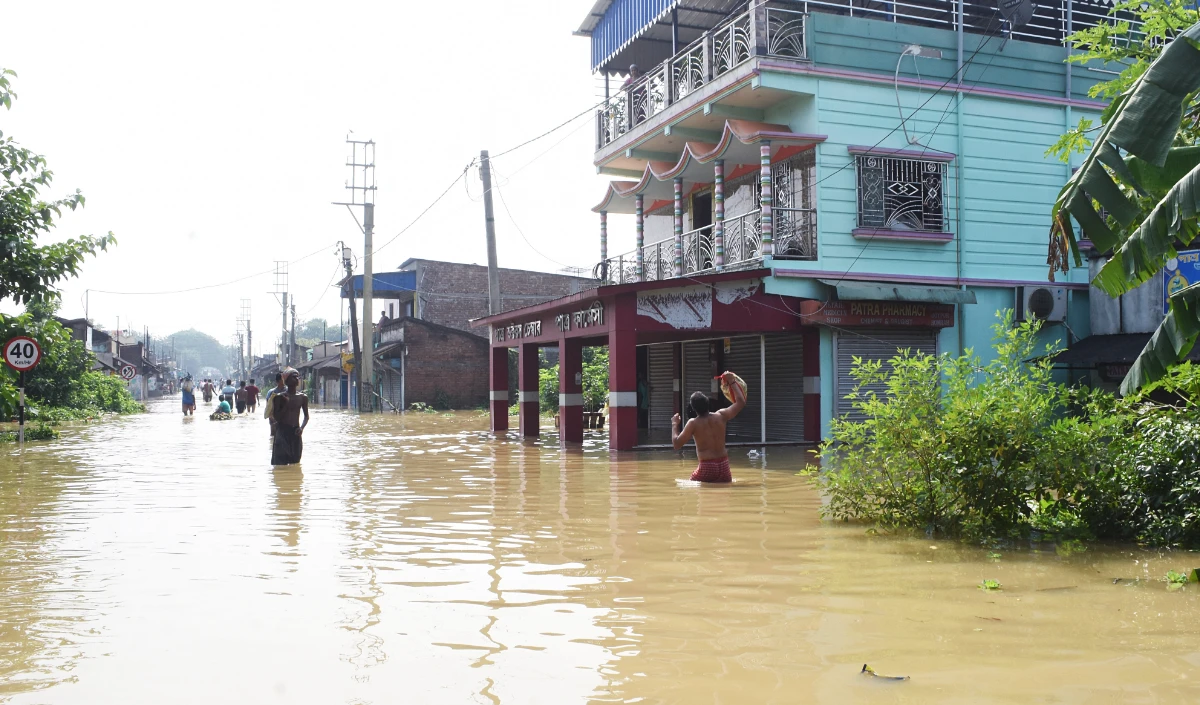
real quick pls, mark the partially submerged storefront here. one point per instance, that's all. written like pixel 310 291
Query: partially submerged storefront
pixel 668 339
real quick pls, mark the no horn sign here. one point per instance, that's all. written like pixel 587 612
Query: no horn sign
pixel 22 353
pixel 128 372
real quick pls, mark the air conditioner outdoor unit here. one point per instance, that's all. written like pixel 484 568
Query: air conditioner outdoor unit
pixel 1043 303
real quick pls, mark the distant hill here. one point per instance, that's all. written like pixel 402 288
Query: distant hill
pixel 196 349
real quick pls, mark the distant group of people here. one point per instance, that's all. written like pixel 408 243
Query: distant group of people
pixel 243 398
pixel 284 404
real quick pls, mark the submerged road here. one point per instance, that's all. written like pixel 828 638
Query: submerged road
pixel 416 559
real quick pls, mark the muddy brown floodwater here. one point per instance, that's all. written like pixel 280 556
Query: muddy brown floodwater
pixel 159 560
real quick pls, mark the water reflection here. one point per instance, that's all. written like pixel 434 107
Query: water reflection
pixel 419 559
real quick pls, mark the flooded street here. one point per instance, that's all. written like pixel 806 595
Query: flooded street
pixel 154 559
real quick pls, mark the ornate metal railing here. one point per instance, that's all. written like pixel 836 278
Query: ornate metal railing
pixel 743 238
pixel 795 238
pixel 716 53
pixel 795 233
pixel 698 252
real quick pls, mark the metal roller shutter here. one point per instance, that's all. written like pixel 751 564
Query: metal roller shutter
pixel 873 345
pixel 785 388
pixel 662 394
pixel 743 360
pixel 697 371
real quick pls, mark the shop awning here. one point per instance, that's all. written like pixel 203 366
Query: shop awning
pixel 387 285
pixel 1120 348
pixel 870 291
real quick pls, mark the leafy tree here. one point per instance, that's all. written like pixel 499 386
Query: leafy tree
pixel 1142 171
pixel 197 349
pixel 310 332
pixel 28 271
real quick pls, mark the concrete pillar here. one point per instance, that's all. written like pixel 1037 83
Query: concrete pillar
pixel 498 384
pixel 766 199
pixel 812 383
pixel 527 390
pixel 570 390
pixel 622 384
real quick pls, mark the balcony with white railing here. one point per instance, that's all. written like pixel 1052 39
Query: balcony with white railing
pixel 774 29
pixel 697 252
pixel 779 29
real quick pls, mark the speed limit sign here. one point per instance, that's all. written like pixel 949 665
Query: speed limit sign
pixel 22 354
pixel 128 372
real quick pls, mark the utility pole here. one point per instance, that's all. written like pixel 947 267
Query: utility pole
pixel 485 172
pixel 244 326
pixel 292 344
pixel 281 293
pixel 362 193
pixel 145 366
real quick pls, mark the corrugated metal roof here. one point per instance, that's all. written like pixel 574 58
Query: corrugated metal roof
pixel 614 25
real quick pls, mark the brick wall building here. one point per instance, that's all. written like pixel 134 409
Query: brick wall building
pixel 451 294
pixel 444 367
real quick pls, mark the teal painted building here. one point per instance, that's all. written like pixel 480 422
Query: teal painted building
pixel 877 169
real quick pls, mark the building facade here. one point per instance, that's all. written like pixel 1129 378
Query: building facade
pixel 799 184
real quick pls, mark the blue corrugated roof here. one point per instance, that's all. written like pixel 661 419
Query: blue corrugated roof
pixel 387 284
pixel 622 22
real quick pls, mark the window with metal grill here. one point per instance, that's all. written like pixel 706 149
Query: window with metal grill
pixel 901 194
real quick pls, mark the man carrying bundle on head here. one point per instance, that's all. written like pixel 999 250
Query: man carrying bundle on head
pixel 708 429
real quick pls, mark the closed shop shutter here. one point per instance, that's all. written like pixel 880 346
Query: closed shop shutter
pixel 743 360
pixel 697 371
pixel 662 401
pixel 391 387
pixel 785 388
pixel 873 345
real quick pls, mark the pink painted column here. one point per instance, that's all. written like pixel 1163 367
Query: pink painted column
pixel 678 182
pixel 639 224
pixel 527 390
pixel 812 383
pixel 570 390
pixel 766 199
pixel 604 247
pixel 719 213
pixel 622 376
pixel 498 386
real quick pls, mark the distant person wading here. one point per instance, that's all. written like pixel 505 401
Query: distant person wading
pixel 708 430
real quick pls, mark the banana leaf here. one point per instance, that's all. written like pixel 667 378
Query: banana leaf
pixel 1171 342
pixel 1143 122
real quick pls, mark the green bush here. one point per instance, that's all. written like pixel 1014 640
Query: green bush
pixel 595 382
pixel 103 392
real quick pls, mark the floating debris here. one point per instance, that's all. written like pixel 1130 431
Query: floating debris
pixel 868 671
pixel 989 585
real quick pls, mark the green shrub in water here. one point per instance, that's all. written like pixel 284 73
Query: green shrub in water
pixel 949 446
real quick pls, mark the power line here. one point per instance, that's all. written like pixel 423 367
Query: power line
pixel 496 188
pixel 553 129
pixel 206 286
pixel 427 208
pixel 336 270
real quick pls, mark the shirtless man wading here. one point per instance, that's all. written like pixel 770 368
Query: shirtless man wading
pixel 708 430
pixel 286 407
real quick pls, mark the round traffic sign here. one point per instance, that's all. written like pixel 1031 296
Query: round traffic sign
pixel 128 372
pixel 22 353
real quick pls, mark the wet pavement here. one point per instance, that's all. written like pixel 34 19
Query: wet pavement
pixel 156 559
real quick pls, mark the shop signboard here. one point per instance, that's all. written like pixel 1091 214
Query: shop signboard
pixel 886 314
pixel 1182 270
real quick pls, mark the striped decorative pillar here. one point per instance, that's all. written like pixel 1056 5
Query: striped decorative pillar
pixel 678 226
pixel 766 198
pixel 719 213
pixel 639 224
pixel 604 246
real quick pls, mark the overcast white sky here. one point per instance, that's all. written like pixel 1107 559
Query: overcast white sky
pixel 209 137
